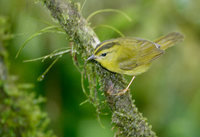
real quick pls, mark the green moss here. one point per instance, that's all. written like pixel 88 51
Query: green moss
pixel 21 114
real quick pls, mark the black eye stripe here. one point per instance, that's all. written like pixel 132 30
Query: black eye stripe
pixel 104 54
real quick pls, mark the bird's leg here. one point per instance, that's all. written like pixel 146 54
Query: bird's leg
pixel 110 89
pixel 127 88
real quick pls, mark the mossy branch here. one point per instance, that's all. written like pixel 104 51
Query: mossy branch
pixel 125 115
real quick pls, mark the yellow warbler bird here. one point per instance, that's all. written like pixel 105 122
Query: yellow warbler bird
pixel 132 56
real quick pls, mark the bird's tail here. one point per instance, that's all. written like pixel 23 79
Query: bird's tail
pixel 169 40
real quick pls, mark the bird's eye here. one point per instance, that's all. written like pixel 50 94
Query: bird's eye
pixel 104 54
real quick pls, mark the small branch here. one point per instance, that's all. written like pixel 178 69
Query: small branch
pixel 3 70
pixel 125 115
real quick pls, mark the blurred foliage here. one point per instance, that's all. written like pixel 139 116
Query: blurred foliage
pixel 168 94
pixel 21 115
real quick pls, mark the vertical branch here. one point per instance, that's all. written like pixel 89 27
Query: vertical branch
pixel 125 115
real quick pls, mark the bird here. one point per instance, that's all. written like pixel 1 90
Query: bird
pixel 132 56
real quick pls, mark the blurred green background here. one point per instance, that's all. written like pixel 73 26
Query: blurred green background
pixel 168 94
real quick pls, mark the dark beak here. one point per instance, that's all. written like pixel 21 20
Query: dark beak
pixel 91 58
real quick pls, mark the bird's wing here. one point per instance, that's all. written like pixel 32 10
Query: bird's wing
pixel 135 52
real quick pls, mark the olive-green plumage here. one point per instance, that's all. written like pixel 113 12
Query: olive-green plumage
pixel 132 56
